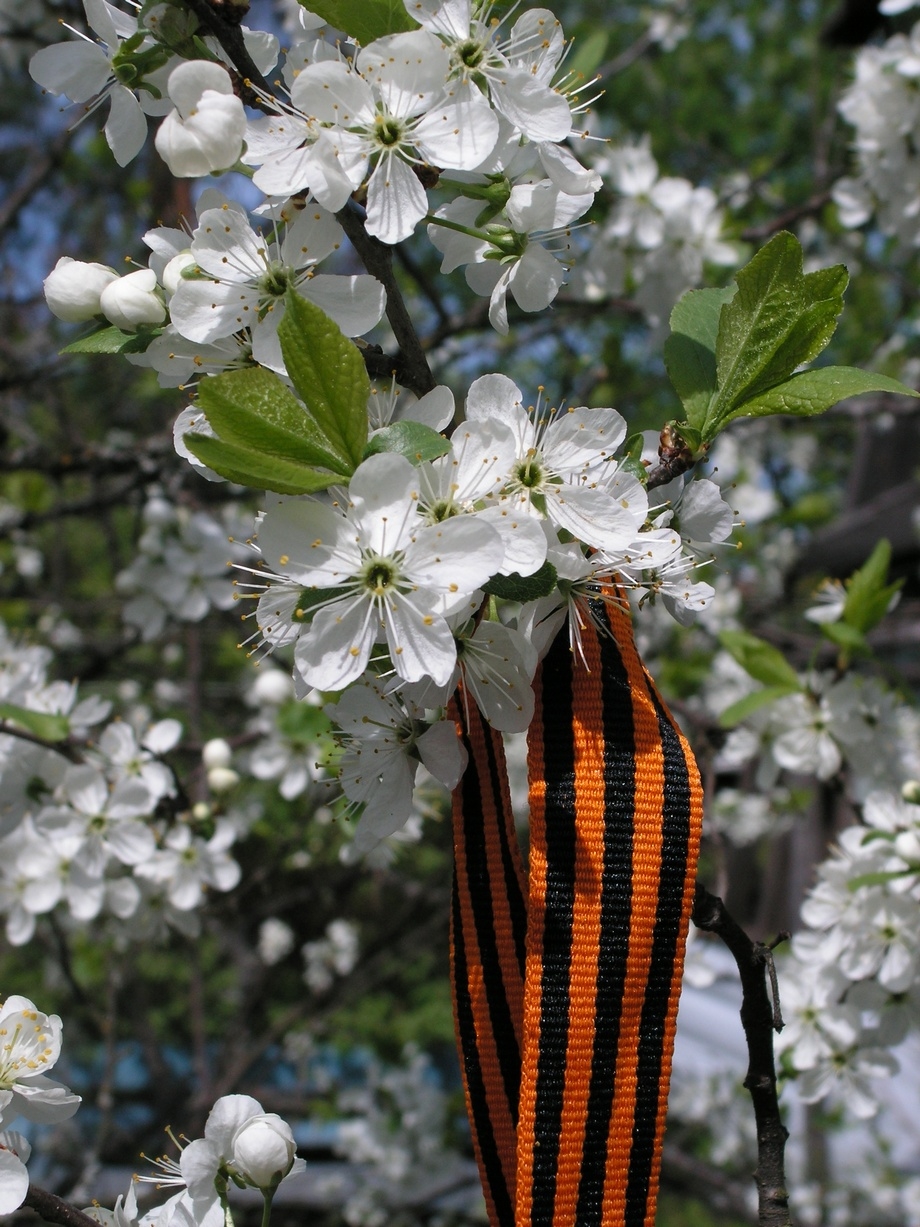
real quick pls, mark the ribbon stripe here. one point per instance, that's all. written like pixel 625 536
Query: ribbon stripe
pixel 566 983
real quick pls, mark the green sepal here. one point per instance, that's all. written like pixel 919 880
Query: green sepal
pixel 46 725
pixel 736 712
pixel 255 410
pixel 523 588
pixel 258 469
pixel 363 20
pixel 111 340
pixel 328 372
pixel 761 660
pixel 413 440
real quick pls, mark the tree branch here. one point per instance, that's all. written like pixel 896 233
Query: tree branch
pixel 54 1209
pixel 757 1018
pixel 412 369
pixel 230 37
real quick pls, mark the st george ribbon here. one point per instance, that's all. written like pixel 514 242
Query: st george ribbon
pixel 566 975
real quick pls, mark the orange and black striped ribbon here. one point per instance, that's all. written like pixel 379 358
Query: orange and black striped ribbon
pixel 566 990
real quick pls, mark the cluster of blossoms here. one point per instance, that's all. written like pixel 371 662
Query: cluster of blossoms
pixel 30 1044
pixel 883 106
pixel 181 568
pixel 458 102
pixel 396 1127
pixel 659 235
pixel 852 725
pixel 852 984
pixel 415 578
pixel 84 825
pixel 242 1146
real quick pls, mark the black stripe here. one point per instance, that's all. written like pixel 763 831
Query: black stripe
pixel 517 904
pixel 668 916
pixel 559 765
pixel 616 905
pixel 480 892
pixel 479 1109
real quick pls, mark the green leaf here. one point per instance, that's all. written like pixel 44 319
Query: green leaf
pixel 778 319
pixel 760 659
pixel 413 440
pixel 869 597
pixel 745 707
pixel 328 372
pixel 111 340
pixel 257 468
pixel 880 878
pixel 846 637
pixel 255 409
pixel 690 350
pixel 588 54
pixel 47 726
pixel 515 587
pixel 812 392
pixel 364 20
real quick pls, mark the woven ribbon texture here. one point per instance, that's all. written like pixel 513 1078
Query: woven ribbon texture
pixel 566 977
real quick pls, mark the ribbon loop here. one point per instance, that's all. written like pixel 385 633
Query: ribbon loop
pixel 566 987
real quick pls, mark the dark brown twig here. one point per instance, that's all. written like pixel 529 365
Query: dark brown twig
pixel 758 1019
pixel 766 230
pixel 230 37
pixel 412 369
pixel 54 1209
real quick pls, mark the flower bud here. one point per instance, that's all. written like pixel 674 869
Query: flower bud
pixel 131 301
pixel 263 1150
pixel 216 753
pixel 205 133
pixel 910 792
pixel 172 273
pixel 272 686
pixel 222 779
pixel 72 289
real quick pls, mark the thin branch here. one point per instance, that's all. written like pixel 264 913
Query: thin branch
pixel 230 37
pixel 54 1209
pixel 758 1020
pixel 690 1174
pixel 635 51
pixel 68 748
pixel 754 234
pixel 33 180
pixel 412 369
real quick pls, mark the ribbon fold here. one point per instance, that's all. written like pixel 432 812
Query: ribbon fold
pixel 566 979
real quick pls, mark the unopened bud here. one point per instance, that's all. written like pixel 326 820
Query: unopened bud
pixel 910 792
pixel 73 287
pixel 128 302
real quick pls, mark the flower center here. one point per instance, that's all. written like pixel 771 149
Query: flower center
pixel 275 280
pixel 388 131
pixel 470 53
pixel 530 473
pixel 379 575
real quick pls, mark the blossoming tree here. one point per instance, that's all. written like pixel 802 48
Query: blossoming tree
pixel 430 560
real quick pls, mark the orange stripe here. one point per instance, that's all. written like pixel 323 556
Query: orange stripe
pixel 498 1107
pixel 667 1058
pixel 504 931
pixel 486 1186
pixel 647 841
pixel 533 980
pixel 588 737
